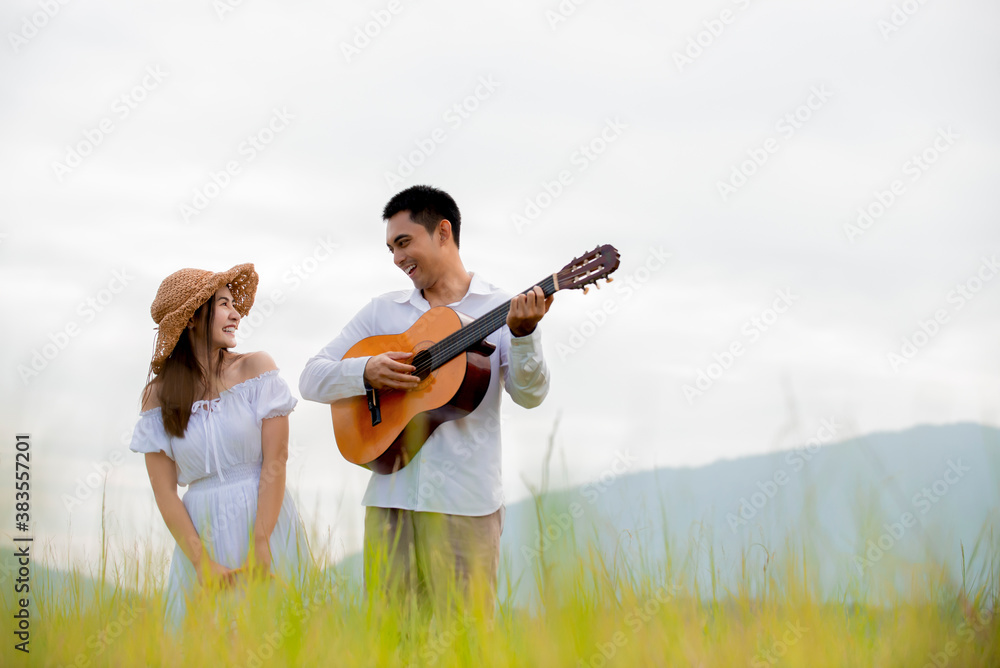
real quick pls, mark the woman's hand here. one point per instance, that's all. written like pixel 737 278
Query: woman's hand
pixel 216 574
pixel 258 563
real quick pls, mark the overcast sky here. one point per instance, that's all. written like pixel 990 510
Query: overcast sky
pixel 724 148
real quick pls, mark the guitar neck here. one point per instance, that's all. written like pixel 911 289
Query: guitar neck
pixel 458 342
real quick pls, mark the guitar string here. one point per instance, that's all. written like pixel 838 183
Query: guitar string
pixel 458 341
pixel 454 344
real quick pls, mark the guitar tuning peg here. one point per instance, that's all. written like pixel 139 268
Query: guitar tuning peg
pixel 609 280
pixel 586 289
pixel 597 285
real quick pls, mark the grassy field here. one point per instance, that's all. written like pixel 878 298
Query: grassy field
pixel 590 609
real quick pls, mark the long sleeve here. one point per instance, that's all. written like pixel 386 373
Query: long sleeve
pixel 327 376
pixel 525 374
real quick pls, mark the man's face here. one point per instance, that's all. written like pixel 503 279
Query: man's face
pixel 413 249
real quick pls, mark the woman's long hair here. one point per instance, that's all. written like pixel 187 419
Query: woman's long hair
pixel 182 378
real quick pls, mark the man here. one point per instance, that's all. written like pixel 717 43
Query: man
pixel 433 527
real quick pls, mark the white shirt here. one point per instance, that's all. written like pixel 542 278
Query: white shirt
pixel 457 471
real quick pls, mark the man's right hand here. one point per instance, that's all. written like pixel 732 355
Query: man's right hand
pixel 388 370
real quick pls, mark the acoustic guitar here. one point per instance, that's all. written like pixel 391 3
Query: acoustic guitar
pixel 383 429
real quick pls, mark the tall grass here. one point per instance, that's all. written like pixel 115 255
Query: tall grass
pixel 594 607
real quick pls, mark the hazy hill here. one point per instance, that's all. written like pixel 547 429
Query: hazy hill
pixel 918 495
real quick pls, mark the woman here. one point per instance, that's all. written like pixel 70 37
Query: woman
pixel 217 422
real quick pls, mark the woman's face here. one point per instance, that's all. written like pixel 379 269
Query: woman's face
pixel 225 321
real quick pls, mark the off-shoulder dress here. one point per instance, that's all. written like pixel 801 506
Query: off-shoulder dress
pixel 219 459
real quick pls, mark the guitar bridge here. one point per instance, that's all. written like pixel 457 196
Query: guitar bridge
pixel 373 404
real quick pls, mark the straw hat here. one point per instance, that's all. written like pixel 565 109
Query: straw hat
pixel 182 292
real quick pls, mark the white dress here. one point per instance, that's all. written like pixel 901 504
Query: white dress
pixel 219 459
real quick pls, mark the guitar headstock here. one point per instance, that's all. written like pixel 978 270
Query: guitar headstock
pixel 588 268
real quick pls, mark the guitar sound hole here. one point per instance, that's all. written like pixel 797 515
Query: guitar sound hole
pixel 422 360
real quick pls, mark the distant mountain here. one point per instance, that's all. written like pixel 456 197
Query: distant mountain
pixel 865 512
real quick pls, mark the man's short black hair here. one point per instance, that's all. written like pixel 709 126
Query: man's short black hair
pixel 427 206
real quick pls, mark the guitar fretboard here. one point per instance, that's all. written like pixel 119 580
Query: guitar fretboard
pixel 458 342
